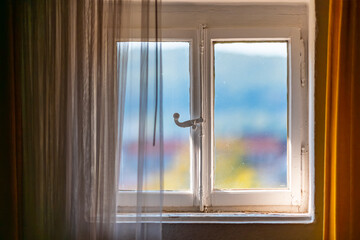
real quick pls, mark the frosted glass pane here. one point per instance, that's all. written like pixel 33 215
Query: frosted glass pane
pixel 176 83
pixel 250 115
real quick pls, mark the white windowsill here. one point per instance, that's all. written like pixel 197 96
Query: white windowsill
pixel 220 218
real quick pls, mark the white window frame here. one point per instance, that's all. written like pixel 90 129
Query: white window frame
pixel 205 198
pixel 206 206
pixel 174 200
pixel 295 197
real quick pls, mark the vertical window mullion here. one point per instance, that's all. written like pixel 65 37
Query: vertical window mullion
pixel 206 106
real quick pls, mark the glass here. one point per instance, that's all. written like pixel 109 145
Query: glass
pixel 176 84
pixel 250 115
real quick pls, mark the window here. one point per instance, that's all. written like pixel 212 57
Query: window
pixel 178 73
pixel 249 151
pixel 257 123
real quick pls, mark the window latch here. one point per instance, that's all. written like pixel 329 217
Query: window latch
pixel 190 123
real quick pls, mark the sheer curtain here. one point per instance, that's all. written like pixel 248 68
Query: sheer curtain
pixel 74 83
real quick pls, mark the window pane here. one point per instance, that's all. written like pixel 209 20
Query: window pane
pixel 176 83
pixel 250 115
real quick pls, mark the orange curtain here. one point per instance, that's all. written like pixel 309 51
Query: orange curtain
pixel 342 146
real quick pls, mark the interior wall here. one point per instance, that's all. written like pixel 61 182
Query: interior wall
pixel 280 231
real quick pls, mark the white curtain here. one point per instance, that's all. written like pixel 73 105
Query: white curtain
pixel 73 61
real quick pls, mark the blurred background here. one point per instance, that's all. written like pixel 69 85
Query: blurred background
pixel 250 116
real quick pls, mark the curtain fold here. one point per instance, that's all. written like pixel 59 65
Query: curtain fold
pixel 342 129
pixel 73 82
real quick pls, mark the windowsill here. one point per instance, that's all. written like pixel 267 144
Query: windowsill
pixel 221 218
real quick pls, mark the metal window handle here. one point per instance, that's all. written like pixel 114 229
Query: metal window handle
pixel 190 123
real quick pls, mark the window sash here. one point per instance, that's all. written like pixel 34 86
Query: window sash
pixel 296 194
pixel 171 199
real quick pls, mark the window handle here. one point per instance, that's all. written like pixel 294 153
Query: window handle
pixel 190 123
